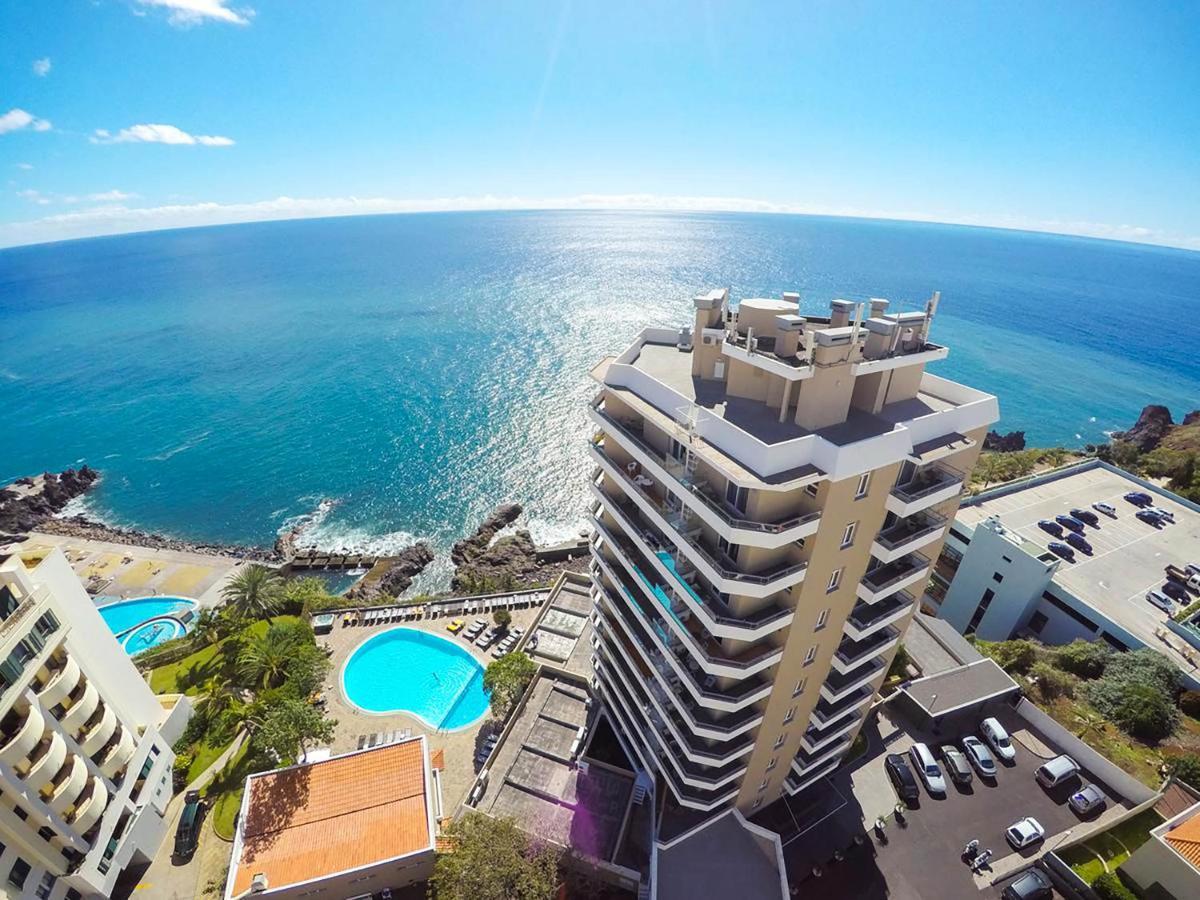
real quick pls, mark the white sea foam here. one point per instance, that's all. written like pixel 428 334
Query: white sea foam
pixel 340 537
pixel 185 446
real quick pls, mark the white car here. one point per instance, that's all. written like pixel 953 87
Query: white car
pixel 1162 514
pixel 993 732
pixel 927 768
pixel 1107 508
pixel 1025 832
pixel 1160 600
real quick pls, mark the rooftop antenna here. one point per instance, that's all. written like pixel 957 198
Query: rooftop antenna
pixel 858 318
pixel 930 311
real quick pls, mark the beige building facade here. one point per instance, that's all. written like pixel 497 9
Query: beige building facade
pixel 769 490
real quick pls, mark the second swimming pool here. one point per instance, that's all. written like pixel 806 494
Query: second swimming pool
pixel 405 670
pixel 123 615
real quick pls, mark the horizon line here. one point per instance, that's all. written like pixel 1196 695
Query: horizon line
pixel 117 220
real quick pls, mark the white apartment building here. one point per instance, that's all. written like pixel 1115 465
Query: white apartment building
pixel 85 746
pixel 769 490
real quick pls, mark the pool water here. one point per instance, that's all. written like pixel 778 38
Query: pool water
pixel 430 677
pixel 123 615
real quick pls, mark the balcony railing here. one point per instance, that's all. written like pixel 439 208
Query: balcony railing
pixel 850 652
pixel 882 580
pixel 806 761
pixel 827 713
pixel 867 617
pixel 928 480
pixel 839 684
pixel 910 529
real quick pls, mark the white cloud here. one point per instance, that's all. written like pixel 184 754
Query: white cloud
pixel 185 13
pixel 118 218
pixel 18 119
pixel 157 134
pixel 113 196
pixel 25 166
pixel 34 196
pixel 41 67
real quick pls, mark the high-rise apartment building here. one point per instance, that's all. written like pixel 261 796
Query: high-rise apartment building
pixel 769 491
pixel 85 747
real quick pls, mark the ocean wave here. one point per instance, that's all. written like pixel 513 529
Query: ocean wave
pixel 339 537
pixel 186 445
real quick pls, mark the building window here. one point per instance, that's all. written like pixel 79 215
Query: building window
pixel 810 655
pixel 18 873
pixel 773 763
pixel 791 714
pixel 20 811
pixel 864 484
pixel 1006 559
pixel 762 786
pixel 800 686
pixel 997 577
pixel 45 886
pixel 736 496
pixel 848 535
pixel 982 608
pixel 757 803
pixel 730 550
pixel 834 580
pixel 45 832
pixel 811 490
pixel 1037 622
pixel 822 619
pixel 779 740
pixel 678 451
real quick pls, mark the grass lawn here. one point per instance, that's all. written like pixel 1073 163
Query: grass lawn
pixel 225 793
pixel 205 755
pixel 1113 846
pixel 1130 754
pixel 189 674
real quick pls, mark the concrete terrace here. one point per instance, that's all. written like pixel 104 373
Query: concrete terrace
pixel 564 629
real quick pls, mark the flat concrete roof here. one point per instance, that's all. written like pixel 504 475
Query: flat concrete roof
pixel 1129 554
pixel 959 688
pixel 727 857
pixel 935 646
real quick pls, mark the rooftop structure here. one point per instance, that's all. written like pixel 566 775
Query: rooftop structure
pixel 725 856
pixel 770 488
pixel 350 824
pixel 1168 863
pixel 997 578
pixel 85 746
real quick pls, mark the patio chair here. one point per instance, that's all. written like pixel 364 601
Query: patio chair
pixel 362 741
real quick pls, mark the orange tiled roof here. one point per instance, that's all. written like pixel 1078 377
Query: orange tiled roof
pixel 437 760
pixel 308 821
pixel 1184 839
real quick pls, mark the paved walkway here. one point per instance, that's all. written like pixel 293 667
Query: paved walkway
pixel 171 880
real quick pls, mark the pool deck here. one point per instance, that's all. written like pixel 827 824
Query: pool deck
pixel 458 747
pixel 121 570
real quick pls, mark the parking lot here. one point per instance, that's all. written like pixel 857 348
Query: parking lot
pixel 1128 555
pixel 922 857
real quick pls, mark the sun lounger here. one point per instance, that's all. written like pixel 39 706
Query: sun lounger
pixel 362 741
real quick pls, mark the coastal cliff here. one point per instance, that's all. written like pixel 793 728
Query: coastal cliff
pixel 28 503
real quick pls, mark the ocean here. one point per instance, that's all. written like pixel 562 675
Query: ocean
pixel 420 369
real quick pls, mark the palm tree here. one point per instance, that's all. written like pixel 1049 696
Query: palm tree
pixel 206 629
pixel 254 592
pixel 1089 723
pixel 263 662
pixel 221 695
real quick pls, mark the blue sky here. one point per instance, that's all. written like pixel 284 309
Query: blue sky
pixel 120 115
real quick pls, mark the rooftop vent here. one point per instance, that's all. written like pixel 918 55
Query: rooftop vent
pixel 258 884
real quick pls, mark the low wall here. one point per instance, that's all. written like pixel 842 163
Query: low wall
pixel 1124 784
pixel 1065 880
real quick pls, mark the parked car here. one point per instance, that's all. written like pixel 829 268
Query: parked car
pixel 1086 516
pixel 1079 542
pixel 955 764
pixel 1164 515
pixel 902 778
pixel 1056 771
pixel 187 832
pixel 1032 885
pixel 979 756
pixel 1149 518
pixel 927 768
pixel 1071 524
pixel 1088 800
pixel 1159 600
pixel 1175 590
pixel 1058 548
pixel 1107 508
pixel 1139 498
pixel 1053 527
pixel 993 732
pixel 1025 832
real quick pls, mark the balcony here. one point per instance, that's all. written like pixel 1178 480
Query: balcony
pixel 908 535
pixel 682 626
pixel 827 713
pixel 642 544
pixel 90 806
pixel 760 353
pixel 648 634
pixel 817 738
pixel 806 763
pixel 932 484
pixel 119 754
pixel 68 785
pixel 885 580
pixel 667 687
pixel 670 524
pixel 81 710
pixel 839 685
pixel 45 760
pixel 22 730
pixel 99 734
pixel 794 784
pixel 705 498
pixel 851 653
pixel 63 679
pixel 867 618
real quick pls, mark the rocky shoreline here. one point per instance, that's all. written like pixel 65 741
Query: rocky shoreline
pixel 83 527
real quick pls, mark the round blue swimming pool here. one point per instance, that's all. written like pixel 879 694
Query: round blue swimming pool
pixel 405 670
pixel 123 615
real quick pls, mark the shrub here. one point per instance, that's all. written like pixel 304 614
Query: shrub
pixel 183 762
pixel 1087 659
pixel 1052 682
pixel 1109 887
pixel 1186 767
pixel 1012 656
pixel 1145 666
pixel 1189 703
pixel 899 666
pixel 1141 710
pixel 502 618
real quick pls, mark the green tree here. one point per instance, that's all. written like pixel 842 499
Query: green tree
pixel 206 630
pixel 1086 659
pixel 1109 887
pixel 492 859
pixel 220 695
pixel 1051 682
pixel 305 596
pixel 1186 767
pixel 1089 723
pixel 990 467
pixel 1012 656
pixel 502 618
pixel 506 679
pixel 282 726
pixel 264 661
pixel 1054 456
pixel 255 592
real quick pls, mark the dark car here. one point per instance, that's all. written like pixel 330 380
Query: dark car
pixel 1079 542
pixel 1175 591
pixel 1069 523
pixel 1060 549
pixel 1137 498
pixel 1031 885
pixel 1053 527
pixel 1150 518
pixel 1086 515
pixel 902 778
pixel 187 833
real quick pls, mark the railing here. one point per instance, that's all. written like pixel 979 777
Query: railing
pixel 928 480
pixel 18 614
pixel 908 530
pixel 851 652
pixel 764 346
pixel 826 712
pixel 883 577
pixel 698 489
pixel 864 615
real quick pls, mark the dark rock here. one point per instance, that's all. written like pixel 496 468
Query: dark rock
pixel 469 548
pixel 30 502
pixel 1152 425
pixel 507 562
pixel 402 569
pixel 1004 443
pixel 1191 418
